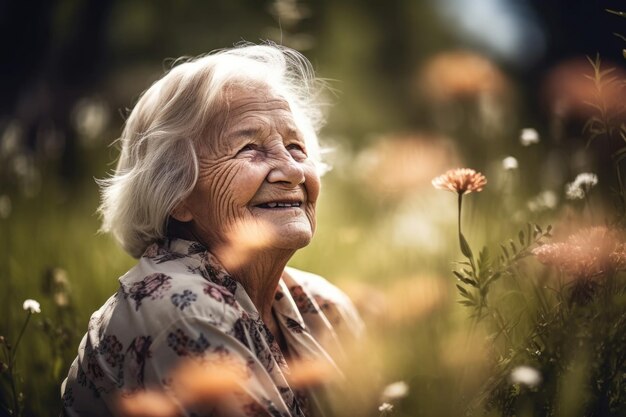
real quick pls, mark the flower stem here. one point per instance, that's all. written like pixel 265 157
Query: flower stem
pixel 19 338
pixel 16 402
pixel 459 218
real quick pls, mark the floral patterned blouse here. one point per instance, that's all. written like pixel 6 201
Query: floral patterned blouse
pixel 178 303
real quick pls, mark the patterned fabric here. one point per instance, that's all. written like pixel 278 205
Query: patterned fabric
pixel 179 303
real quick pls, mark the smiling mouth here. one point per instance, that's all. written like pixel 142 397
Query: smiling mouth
pixel 279 205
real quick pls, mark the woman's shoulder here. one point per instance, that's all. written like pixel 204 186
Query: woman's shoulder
pixel 160 292
pixel 317 285
pixel 329 299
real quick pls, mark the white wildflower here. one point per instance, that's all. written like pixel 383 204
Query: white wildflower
pixel 545 200
pixel 32 306
pixel 525 375
pixel 528 136
pixel 509 163
pixel 385 408
pixel 583 183
pixel 549 199
pixel 395 390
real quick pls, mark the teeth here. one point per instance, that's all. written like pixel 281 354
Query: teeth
pixel 280 205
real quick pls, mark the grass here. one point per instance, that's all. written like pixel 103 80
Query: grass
pixel 391 252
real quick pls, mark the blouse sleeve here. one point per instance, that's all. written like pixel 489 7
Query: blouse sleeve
pixel 333 303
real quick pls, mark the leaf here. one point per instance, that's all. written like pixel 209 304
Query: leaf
pixel 619 35
pixel 619 155
pixel 465 248
pixel 458 275
pixel 593 119
pixel 616 12
pixel 521 237
pixel 513 247
pixel 483 260
pixel 483 256
pixel 607 71
pixel 549 228
pixel 506 252
pixel 592 62
pixel 464 279
pixel 463 291
pixel 467 303
pixel 465 294
pixel 471 282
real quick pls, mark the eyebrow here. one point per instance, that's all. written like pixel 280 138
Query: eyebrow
pixel 249 132
pixel 245 132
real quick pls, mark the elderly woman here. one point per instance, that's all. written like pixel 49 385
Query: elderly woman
pixel 214 192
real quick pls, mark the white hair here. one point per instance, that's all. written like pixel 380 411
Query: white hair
pixel 158 166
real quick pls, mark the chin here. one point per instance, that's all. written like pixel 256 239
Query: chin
pixel 292 238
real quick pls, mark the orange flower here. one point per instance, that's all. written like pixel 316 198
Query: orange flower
pixel 460 74
pixel 589 253
pixel 310 373
pixel 197 384
pixel 461 181
pixel 149 403
pixel 207 382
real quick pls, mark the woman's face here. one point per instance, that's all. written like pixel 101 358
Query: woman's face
pixel 255 179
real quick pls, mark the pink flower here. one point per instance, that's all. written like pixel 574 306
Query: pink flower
pixel 461 181
pixel 589 253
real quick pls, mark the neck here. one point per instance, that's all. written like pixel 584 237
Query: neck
pixel 258 272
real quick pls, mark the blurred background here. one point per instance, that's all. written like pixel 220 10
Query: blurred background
pixel 417 87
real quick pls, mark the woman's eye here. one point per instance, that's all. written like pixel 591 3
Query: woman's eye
pixel 246 148
pixel 296 147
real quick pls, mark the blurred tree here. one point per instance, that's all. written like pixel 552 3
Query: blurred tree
pixel 53 53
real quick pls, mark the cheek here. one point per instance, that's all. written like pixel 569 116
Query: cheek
pixel 312 183
pixel 223 194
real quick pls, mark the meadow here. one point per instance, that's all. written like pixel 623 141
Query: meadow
pixel 519 310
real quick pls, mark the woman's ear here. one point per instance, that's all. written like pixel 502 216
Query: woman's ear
pixel 182 213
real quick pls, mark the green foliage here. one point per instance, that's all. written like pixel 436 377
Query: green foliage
pixel 609 122
pixel 12 400
pixel 601 124
pixel 521 313
pixel 574 334
pixel 484 271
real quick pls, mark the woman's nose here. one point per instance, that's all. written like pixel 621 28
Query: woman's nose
pixel 286 169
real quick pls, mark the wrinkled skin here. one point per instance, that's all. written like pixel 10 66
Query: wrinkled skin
pixel 259 157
